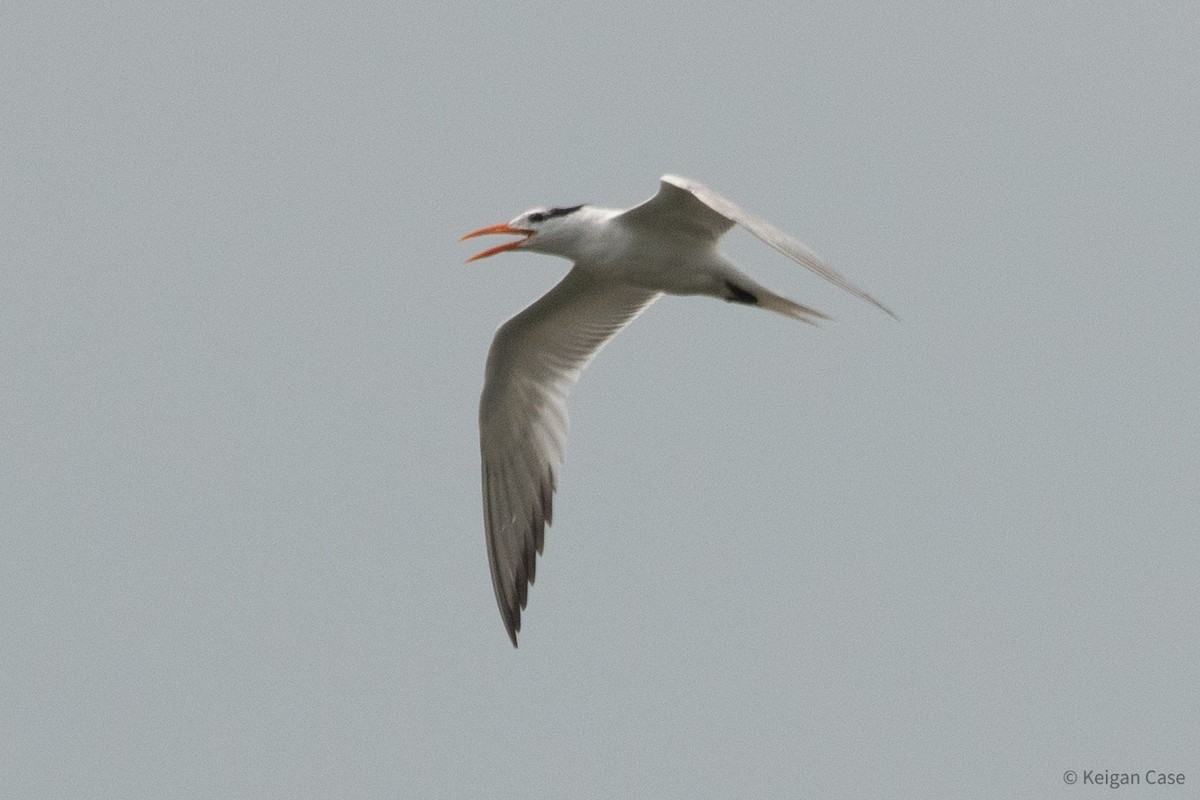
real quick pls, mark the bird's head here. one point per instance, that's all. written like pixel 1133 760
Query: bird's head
pixel 543 230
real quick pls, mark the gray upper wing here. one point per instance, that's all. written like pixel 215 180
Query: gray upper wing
pixel 682 202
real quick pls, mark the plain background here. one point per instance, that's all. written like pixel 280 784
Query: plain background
pixel 241 547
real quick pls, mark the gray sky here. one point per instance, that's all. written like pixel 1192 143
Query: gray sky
pixel 242 550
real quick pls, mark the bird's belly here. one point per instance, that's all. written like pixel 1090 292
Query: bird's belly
pixel 674 275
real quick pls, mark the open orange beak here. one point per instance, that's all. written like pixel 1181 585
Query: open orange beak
pixel 503 227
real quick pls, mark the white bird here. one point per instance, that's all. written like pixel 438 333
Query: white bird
pixel 623 261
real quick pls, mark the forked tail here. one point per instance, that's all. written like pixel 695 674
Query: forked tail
pixel 751 294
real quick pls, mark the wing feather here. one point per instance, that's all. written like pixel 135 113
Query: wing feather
pixel 687 205
pixel 535 359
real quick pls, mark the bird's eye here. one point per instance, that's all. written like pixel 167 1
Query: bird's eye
pixel 537 216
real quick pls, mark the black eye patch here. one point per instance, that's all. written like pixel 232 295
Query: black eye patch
pixel 542 216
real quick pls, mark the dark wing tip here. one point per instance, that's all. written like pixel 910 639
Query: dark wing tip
pixel 527 569
pixel 511 612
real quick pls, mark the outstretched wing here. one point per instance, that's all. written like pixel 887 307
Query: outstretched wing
pixel 534 361
pixel 687 205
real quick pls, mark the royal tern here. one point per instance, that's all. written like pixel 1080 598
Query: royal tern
pixel 622 262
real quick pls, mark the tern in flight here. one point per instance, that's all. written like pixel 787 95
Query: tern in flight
pixel 622 262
